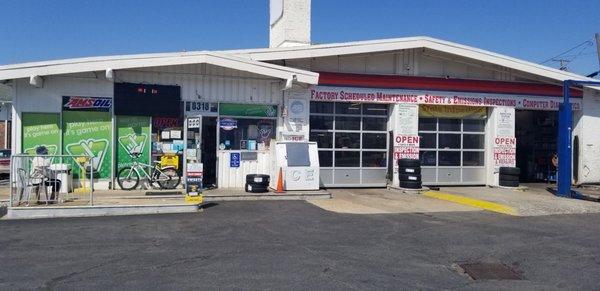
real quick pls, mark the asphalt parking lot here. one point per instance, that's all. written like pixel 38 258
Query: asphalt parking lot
pixel 296 245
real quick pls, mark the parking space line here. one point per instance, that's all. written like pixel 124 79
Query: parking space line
pixel 482 204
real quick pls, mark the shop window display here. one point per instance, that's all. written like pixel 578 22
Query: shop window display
pixel 246 134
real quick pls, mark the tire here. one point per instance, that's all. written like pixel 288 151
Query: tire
pixel 256 188
pixel 509 183
pixel 410 170
pixel 510 171
pixel 409 163
pixel 410 178
pixel 171 179
pixel 410 185
pixel 128 179
pixel 509 177
pixel 264 179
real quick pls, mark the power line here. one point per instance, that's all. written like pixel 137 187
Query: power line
pixel 586 44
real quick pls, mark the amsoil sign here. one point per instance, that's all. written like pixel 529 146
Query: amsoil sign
pixel 86 103
pixel 504 151
pixel 373 95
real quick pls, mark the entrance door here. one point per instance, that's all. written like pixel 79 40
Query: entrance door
pixel 209 151
pixel 536 133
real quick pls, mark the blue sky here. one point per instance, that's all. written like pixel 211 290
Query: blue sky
pixel 531 30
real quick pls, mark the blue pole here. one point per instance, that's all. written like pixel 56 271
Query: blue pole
pixel 565 129
pixel 565 123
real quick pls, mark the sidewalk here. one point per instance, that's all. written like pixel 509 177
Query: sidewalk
pixel 534 200
pixel 383 201
pixel 120 202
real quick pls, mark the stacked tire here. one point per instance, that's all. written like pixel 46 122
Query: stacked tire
pixel 409 173
pixel 509 176
pixel 257 183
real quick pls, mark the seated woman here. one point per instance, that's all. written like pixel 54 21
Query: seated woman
pixel 41 174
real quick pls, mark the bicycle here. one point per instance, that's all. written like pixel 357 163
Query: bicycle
pixel 128 178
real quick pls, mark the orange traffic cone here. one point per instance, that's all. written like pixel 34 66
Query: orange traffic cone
pixel 280 182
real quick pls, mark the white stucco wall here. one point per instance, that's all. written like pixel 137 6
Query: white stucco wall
pixel 48 98
pixel 587 127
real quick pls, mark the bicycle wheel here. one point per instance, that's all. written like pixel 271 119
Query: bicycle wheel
pixel 128 179
pixel 167 179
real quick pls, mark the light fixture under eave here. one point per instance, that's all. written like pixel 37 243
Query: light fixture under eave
pixel 110 75
pixel 36 81
pixel 289 81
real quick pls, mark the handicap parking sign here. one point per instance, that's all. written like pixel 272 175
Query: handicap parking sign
pixel 234 160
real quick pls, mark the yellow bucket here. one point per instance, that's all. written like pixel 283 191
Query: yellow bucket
pixel 169 160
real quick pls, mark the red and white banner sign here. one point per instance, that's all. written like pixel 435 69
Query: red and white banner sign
pixel 374 95
pixel 505 149
pixel 406 147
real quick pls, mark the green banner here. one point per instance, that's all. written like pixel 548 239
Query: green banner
pixel 40 129
pixel 255 110
pixel 89 133
pixel 133 136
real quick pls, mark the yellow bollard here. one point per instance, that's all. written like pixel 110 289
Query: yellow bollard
pixel 83 189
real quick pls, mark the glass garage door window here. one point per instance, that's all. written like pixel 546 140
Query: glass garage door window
pixel 452 151
pixel 352 140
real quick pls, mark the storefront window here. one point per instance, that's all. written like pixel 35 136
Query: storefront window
pixel 473 159
pixel 428 124
pixel 374 159
pixel 347 159
pixel 428 140
pixel 347 108
pixel 324 139
pixel 449 141
pixel 473 141
pixel 443 143
pixel 245 134
pixel 449 159
pixel 375 109
pixel 374 123
pixel 474 125
pixel 321 107
pixel 346 140
pixel 359 136
pixel 428 158
pixel 325 158
pixel 449 124
pixel 374 140
pixel 321 122
pixel 347 123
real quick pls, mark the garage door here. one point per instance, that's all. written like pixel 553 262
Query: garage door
pixel 452 151
pixel 353 143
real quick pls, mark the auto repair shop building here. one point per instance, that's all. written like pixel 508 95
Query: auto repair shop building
pixel 462 111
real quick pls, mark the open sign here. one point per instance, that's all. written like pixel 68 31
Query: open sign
pixel 407 139
pixel 505 141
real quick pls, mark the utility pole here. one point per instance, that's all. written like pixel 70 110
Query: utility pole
pixel 563 64
pixel 598 49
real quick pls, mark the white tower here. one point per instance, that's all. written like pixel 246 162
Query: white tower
pixel 290 23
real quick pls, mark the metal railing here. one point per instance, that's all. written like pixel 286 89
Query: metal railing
pixel 51 180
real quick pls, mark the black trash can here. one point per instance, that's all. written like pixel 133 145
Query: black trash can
pixel 509 176
pixel 257 183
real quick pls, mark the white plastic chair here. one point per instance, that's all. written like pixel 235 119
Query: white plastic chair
pixel 26 183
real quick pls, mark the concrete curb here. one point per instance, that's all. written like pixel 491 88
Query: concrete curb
pixel 257 197
pixel 91 211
